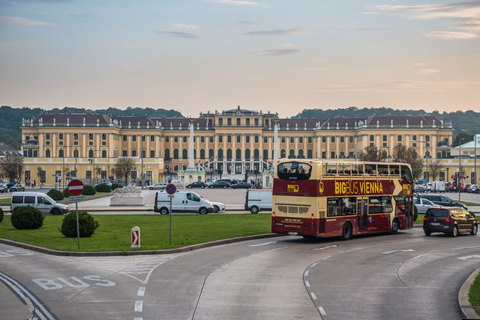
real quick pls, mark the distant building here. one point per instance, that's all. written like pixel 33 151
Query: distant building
pixel 234 142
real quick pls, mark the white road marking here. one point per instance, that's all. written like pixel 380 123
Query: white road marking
pixel 262 244
pixel 313 265
pixel 407 250
pixel 468 257
pixel 138 306
pixel 314 297
pixel 141 291
pixel 327 257
pixel 138 318
pixel 327 247
pixel 322 311
pixel 425 254
pixel 306 273
pixel 307 283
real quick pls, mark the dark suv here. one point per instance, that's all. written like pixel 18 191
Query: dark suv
pixel 442 201
pixel 449 220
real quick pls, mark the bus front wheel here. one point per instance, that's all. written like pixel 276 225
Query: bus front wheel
pixel 347 231
pixel 395 226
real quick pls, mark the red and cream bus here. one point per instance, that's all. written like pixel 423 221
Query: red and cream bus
pixel 317 198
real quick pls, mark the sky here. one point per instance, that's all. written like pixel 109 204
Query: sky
pixel 266 55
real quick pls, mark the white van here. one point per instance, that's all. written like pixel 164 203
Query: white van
pixel 182 202
pixel 438 186
pixel 256 201
pixel 39 200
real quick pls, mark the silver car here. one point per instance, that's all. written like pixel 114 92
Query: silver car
pixel 158 186
pixel 422 204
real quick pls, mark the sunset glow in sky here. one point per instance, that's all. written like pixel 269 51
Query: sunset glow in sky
pixel 270 55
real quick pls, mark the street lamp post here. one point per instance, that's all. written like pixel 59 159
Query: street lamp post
pixel 459 166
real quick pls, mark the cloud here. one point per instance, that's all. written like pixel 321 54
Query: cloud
pixel 427 71
pixel 465 16
pixel 235 2
pixel 276 52
pixel 280 32
pixel 184 26
pixel 451 35
pixel 178 34
pixel 22 21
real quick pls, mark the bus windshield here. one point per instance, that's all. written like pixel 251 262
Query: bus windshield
pixel 294 171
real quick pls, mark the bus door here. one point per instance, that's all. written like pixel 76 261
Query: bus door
pixel 362 215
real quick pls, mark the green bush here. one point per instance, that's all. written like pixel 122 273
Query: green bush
pixel 27 217
pixel 66 194
pixel 103 187
pixel 88 190
pixel 1 214
pixel 55 194
pixel 116 185
pixel 87 224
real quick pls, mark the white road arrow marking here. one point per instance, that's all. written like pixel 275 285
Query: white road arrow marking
pixel 388 252
pixel 468 257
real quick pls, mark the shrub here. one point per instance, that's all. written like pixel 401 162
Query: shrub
pixel 87 224
pixel 66 194
pixel 55 194
pixel 88 190
pixel 27 218
pixel 103 187
pixel 116 185
pixel 1 214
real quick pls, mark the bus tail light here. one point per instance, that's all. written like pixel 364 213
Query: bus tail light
pixel 312 216
pixel 273 215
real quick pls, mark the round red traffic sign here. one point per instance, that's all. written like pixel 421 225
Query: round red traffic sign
pixel 171 188
pixel 75 187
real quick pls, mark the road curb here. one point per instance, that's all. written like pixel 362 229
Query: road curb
pixel 134 252
pixel 465 306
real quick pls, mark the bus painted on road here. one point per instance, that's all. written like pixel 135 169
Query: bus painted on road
pixel 325 198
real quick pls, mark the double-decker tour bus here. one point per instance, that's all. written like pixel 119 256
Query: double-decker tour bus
pixel 317 198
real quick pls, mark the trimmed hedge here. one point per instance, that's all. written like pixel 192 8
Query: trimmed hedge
pixel 88 190
pixel 55 194
pixel 27 217
pixel 87 225
pixel 66 194
pixel 103 187
pixel 1 214
pixel 116 185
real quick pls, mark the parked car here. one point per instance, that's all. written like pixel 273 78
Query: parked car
pixel 464 188
pixel 218 206
pixel 422 204
pixel 39 200
pixel 442 201
pixel 472 188
pixel 241 185
pixel 197 184
pixel 451 187
pixel 158 186
pixel 3 188
pixel 429 187
pixel 220 184
pixel 17 187
pixel 438 186
pixel 108 183
pixel 418 187
pixel 449 220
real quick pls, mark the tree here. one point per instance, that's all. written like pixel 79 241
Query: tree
pixel 41 176
pixel 434 169
pixel 124 167
pixel 466 137
pixel 410 156
pixel 374 154
pixel 12 166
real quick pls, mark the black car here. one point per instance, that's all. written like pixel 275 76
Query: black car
pixel 449 220
pixel 241 185
pixel 197 184
pixel 442 201
pixel 220 184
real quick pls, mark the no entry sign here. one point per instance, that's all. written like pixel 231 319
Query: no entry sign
pixel 75 187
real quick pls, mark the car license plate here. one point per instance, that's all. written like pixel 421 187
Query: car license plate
pixel 435 223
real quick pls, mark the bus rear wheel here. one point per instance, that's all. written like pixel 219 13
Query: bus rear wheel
pixel 395 226
pixel 347 231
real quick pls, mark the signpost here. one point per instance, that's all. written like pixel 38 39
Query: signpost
pixel 75 188
pixel 135 237
pixel 170 189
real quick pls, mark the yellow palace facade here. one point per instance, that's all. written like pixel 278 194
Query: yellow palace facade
pixel 231 143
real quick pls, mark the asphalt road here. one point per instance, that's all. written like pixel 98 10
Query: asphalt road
pixel 403 276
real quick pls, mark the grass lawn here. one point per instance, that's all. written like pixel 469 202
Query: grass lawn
pixel 6 200
pixel 474 295
pixel 113 234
